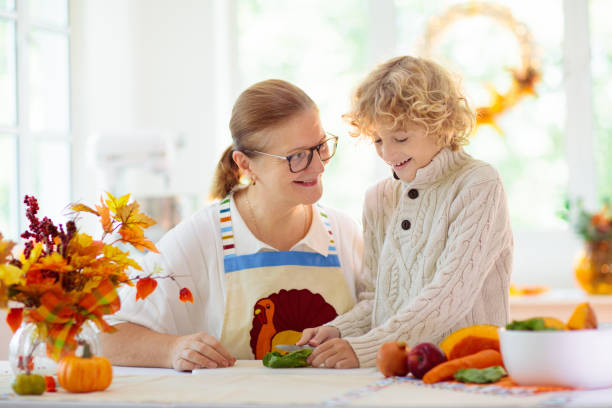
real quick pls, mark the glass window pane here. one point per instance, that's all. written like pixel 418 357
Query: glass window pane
pixel 52 166
pixel 530 154
pixel 601 64
pixel 48 88
pixel 8 78
pixel 320 46
pixel 8 186
pixel 7 5
pixel 49 11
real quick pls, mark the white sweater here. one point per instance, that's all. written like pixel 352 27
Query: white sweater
pixel 437 257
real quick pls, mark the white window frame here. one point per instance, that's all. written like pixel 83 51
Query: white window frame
pixel 24 137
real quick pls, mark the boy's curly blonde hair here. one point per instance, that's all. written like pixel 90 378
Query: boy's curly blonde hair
pixel 407 90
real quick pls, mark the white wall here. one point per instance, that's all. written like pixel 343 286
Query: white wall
pixel 144 65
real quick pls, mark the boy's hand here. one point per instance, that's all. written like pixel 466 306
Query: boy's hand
pixel 335 353
pixel 317 335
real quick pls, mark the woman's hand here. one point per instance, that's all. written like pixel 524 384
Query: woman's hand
pixel 199 350
pixel 335 353
pixel 317 335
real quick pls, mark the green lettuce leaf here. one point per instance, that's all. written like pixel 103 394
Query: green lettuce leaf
pixel 480 375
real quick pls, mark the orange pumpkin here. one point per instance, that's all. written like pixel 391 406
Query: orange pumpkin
pixel 470 340
pixel 84 374
pixel 583 318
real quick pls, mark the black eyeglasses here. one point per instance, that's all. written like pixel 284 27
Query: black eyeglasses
pixel 300 160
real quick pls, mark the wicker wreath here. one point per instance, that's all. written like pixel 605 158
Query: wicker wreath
pixel 524 78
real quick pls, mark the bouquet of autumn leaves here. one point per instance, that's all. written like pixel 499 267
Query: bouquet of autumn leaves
pixel 64 277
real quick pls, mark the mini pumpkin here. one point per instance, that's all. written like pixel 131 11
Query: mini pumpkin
pixel 84 374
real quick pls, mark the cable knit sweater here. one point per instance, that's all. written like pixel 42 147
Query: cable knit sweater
pixel 437 257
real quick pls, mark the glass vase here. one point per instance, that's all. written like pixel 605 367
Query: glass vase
pixel 593 270
pixel 28 348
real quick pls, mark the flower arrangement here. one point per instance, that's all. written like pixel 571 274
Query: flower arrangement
pixel 64 277
pixel 592 227
pixel 594 266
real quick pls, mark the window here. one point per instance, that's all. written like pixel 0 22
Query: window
pixel 530 154
pixel 35 139
pixel 545 152
pixel 601 49
pixel 321 46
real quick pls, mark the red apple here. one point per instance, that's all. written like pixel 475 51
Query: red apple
pixel 423 357
pixel 391 359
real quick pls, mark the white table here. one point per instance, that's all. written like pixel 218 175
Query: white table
pixel 251 385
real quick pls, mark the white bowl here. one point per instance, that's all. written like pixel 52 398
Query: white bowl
pixel 569 358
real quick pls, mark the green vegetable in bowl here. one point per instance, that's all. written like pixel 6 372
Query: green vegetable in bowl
pixel 480 376
pixel 535 324
pixel 290 360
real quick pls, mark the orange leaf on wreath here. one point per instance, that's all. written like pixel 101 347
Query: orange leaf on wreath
pixel 185 295
pixel 144 287
pixel 14 318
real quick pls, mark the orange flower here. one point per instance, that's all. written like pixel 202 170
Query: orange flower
pixel 144 287
pixel 14 317
pixel 601 221
pixel 185 295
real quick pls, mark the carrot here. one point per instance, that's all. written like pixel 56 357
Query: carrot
pixel 446 371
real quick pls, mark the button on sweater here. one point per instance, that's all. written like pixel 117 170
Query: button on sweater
pixel 450 269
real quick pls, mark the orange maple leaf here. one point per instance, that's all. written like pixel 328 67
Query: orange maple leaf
pixel 145 287
pixel 52 262
pixel 114 203
pixel 82 207
pixel 6 248
pixel 136 238
pixel 131 217
pixel 14 318
pixel 120 258
pixel 105 220
pixel 83 250
pixel 185 295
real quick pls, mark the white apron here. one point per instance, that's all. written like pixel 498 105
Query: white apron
pixel 271 297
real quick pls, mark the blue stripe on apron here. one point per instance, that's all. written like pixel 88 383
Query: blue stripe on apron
pixel 263 259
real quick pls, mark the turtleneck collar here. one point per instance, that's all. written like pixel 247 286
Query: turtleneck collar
pixel 443 163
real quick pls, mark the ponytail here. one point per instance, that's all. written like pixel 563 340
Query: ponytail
pixel 227 175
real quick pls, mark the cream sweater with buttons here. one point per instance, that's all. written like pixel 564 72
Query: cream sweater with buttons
pixel 437 257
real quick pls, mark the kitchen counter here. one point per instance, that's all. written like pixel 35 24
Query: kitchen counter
pixel 559 303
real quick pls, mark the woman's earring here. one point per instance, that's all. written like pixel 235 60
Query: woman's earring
pixel 253 181
pixel 395 176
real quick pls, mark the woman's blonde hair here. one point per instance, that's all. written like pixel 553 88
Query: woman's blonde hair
pixel 262 106
pixel 407 90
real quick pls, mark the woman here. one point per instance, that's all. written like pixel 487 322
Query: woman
pixel 263 263
pixel 438 243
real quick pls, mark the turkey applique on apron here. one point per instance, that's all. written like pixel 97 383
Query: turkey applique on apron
pixel 271 297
